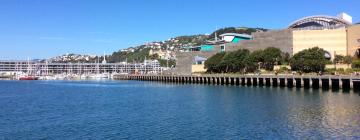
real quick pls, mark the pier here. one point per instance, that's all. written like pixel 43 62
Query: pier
pixel 291 81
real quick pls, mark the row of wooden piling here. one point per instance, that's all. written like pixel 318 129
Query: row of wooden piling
pixel 335 82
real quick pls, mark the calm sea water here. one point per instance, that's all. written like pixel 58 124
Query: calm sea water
pixel 149 110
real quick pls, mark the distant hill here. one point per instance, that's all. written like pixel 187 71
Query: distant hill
pixel 239 30
pixel 73 58
pixel 139 53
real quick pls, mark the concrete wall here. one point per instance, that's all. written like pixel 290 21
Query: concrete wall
pixel 184 61
pixel 333 41
pixel 338 66
pixel 281 39
pixel 353 35
pixel 198 68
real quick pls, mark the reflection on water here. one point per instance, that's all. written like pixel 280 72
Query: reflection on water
pixel 152 110
pixel 325 114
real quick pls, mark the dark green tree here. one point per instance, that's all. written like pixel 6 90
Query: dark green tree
pixel 234 61
pixel 251 63
pixel 338 59
pixel 272 56
pixel 356 63
pixel 154 56
pixel 309 60
pixel 257 56
pixel 285 58
pixel 212 64
pixel 348 60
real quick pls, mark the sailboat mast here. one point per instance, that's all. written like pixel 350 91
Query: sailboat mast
pixel 145 65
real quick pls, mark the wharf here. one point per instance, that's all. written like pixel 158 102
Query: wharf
pixel 306 81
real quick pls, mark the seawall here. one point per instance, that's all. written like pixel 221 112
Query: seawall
pixel 316 82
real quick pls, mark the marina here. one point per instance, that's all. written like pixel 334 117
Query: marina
pixel 60 71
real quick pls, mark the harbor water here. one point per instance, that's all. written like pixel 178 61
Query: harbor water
pixel 154 110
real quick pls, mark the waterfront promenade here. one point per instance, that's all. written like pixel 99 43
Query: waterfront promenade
pixel 316 82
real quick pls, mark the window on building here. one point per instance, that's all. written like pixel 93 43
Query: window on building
pixel 222 48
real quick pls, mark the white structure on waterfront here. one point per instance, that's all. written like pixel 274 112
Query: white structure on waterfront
pixel 47 68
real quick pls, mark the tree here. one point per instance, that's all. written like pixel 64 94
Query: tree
pixel 254 61
pixel 271 56
pixel 167 63
pixel 154 56
pixel 338 59
pixel 212 64
pixel 244 61
pixel 251 62
pixel 347 60
pixel 234 61
pixel 285 58
pixel 309 60
pixel 257 56
pixel 356 63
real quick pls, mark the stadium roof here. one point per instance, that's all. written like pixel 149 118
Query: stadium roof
pixel 319 22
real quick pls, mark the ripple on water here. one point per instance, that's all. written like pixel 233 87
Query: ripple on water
pixel 151 110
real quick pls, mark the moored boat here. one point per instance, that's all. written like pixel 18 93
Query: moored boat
pixel 28 78
pixel 29 75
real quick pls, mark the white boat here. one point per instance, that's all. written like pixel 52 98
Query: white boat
pixel 99 76
pixel 84 76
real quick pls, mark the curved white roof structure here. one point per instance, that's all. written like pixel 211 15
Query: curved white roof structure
pixel 236 34
pixel 319 22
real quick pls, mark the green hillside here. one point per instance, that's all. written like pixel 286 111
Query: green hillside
pixel 174 44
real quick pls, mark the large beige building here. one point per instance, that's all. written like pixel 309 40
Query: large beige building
pixel 333 41
pixel 353 39
pixel 343 41
pixel 336 35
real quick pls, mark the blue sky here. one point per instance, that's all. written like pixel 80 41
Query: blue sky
pixel 46 28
